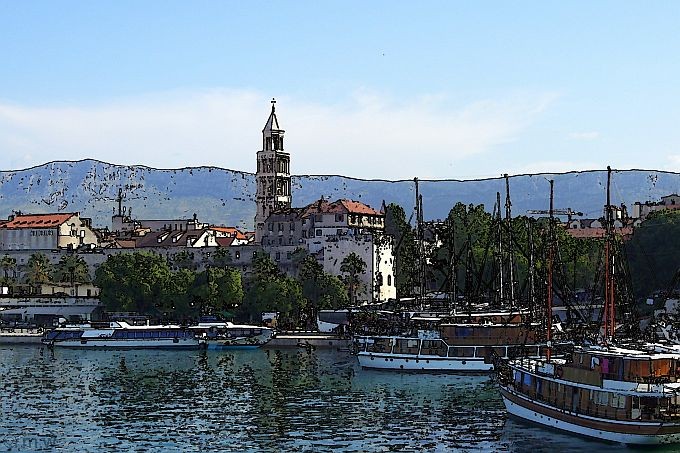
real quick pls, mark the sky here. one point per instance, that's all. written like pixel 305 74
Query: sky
pixel 376 90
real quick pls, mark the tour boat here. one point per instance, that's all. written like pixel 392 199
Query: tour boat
pixel 225 335
pixel 630 396
pixel 450 348
pixel 119 334
pixel 611 391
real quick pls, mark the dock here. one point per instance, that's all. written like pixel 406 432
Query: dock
pixel 20 336
pixel 308 339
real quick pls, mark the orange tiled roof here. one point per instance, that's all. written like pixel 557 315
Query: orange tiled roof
pixel 234 232
pixel 37 221
pixel 338 207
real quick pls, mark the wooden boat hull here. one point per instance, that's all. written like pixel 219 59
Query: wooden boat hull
pixel 423 363
pixel 626 432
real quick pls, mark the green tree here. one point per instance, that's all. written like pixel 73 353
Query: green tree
pixel 9 268
pixel 38 269
pixel 221 257
pixel 405 249
pixel 176 301
pixel 71 269
pixel 183 260
pixel 322 290
pixel 352 266
pixel 218 290
pixel 654 252
pixel 134 282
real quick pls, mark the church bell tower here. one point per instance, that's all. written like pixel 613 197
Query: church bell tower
pixel 273 174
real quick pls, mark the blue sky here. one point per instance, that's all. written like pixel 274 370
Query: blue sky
pixel 365 89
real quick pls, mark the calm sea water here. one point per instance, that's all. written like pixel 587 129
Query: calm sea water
pixel 263 400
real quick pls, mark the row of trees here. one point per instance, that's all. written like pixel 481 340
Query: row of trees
pixel 38 269
pixel 147 283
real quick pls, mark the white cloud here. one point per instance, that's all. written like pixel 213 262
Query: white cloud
pixel 370 135
pixel 585 136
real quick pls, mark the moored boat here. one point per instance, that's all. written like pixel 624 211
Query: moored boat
pixel 450 348
pixel 618 390
pixel 119 334
pixel 226 335
pixel 621 395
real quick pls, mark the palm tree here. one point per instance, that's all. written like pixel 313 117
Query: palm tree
pixel 8 264
pixel 353 266
pixel 72 269
pixel 38 269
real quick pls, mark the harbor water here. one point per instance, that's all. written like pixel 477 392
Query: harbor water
pixel 258 400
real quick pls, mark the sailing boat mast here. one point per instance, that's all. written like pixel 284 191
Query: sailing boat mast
pixel 420 237
pixel 551 257
pixel 509 245
pixel 609 315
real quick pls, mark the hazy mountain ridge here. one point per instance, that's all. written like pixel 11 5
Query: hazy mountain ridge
pixel 224 196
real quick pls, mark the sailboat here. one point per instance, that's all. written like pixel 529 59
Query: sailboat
pixel 459 340
pixel 616 390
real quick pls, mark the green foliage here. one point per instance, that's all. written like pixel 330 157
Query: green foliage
pixel 183 260
pixel 38 269
pixel 9 269
pixel 322 290
pixel 134 282
pixel 71 269
pixel 221 258
pixel 218 290
pixel 352 266
pixel 654 252
pixel 405 249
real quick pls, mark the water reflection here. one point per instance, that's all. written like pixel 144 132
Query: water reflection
pixel 271 400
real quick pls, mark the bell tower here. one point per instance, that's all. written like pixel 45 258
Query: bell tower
pixel 273 174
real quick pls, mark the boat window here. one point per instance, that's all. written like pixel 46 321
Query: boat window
pixel 147 334
pixel 618 401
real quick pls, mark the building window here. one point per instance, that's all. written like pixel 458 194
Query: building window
pixel 389 279
pixel 339 217
pixel 278 256
pixel 271 226
pixel 292 226
pixel 304 234
pixel 280 241
pixel 288 256
pixel 318 218
pixel 318 232
pixel 280 226
pixel 338 232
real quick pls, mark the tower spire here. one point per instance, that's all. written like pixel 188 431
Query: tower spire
pixel 273 174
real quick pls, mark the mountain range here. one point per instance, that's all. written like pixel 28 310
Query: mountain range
pixel 222 196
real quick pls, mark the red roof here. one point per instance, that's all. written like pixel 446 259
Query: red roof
pixel 231 231
pixel 225 242
pixel 38 220
pixel 339 207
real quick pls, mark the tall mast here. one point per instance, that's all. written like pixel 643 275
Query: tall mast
pixel 609 315
pixel 509 246
pixel 420 238
pixel 499 250
pixel 532 271
pixel 551 251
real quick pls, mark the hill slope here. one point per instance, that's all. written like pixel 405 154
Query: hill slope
pixel 223 196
